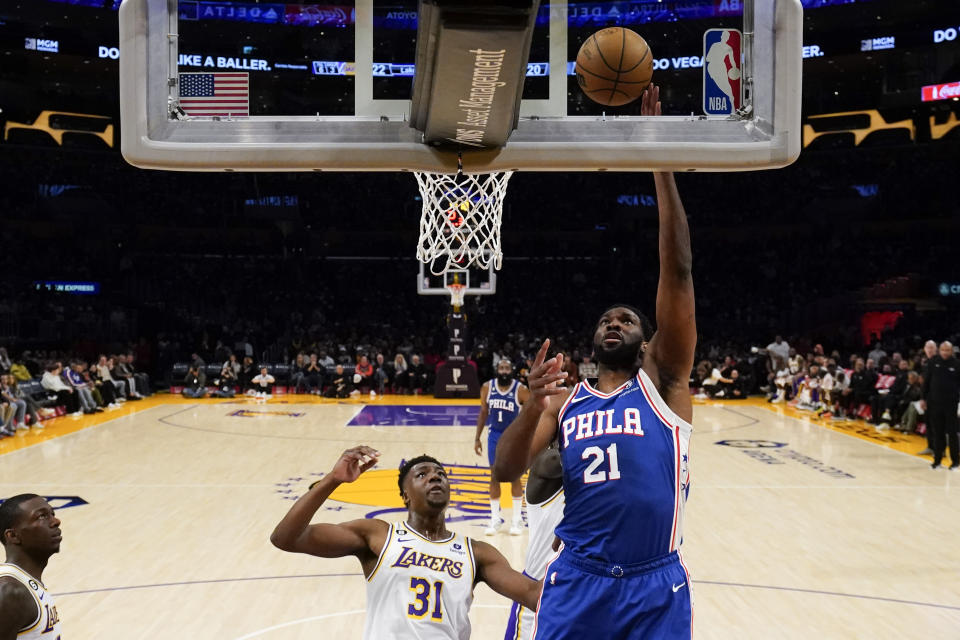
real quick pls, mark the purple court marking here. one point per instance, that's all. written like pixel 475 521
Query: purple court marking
pixel 421 415
pixel 695 582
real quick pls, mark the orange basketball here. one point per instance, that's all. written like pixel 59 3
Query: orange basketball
pixel 614 66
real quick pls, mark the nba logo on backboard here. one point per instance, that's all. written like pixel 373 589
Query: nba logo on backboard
pixel 722 82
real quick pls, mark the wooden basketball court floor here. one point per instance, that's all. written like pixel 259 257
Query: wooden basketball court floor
pixel 795 528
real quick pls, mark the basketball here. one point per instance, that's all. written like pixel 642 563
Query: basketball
pixel 614 66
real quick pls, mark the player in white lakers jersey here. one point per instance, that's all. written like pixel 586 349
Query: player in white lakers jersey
pixel 420 576
pixel 544 511
pixel 30 533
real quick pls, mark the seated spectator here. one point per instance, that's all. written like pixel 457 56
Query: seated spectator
pixel 194 383
pixel 890 389
pixel 16 409
pixel 124 373
pixel 416 376
pixel 341 384
pixel 381 373
pixel 314 375
pixel 75 379
pixel 587 368
pixel 325 361
pixel 104 374
pixel 263 384
pixel 228 379
pixel 399 373
pixel 20 372
pixel 66 396
pixel 736 389
pixel 32 408
pixel 248 371
pixel 911 404
pixel 712 385
pixel 141 378
pixel 365 370
pixel 105 394
pixel 808 389
pixel 298 372
pixel 6 415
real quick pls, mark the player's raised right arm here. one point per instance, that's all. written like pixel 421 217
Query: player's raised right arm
pixel 295 533
pixel 536 424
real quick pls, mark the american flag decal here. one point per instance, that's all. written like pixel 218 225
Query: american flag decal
pixel 215 94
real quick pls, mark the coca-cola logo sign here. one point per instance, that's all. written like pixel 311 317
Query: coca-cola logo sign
pixel 940 91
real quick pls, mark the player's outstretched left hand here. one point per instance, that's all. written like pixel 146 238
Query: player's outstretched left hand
pixel 650 101
pixel 354 462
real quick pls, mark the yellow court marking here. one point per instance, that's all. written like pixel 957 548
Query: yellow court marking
pixel 469 487
pixel 65 425
pixel 909 443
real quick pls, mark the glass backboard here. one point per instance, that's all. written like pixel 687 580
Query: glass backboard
pixel 327 88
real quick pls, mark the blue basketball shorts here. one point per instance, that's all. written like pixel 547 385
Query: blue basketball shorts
pixel 585 598
pixel 492 438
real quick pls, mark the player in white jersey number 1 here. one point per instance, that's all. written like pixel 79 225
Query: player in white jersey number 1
pixel 30 533
pixel 420 576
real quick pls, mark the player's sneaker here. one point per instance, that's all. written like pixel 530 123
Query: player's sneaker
pixel 516 528
pixel 492 528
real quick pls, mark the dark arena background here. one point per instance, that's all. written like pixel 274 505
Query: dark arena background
pixel 850 253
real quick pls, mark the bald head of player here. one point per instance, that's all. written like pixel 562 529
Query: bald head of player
pixel 424 486
pixel 620 337
pixel 29 530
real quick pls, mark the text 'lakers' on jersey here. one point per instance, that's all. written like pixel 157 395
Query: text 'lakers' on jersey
pixel 420 589
pixel 46 625
pixel 503 406
pixel 625 472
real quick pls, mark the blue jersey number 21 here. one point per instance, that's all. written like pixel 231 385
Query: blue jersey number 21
pixel 591 475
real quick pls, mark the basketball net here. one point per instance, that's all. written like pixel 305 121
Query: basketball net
pixel 460 221
pixel 457 292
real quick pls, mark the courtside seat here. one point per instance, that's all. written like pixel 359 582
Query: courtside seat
pixel 35 390
pixel 281 372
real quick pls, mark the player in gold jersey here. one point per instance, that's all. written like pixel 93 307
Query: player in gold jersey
pixel 420 576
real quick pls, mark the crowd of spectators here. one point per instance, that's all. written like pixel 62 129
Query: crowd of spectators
pixel 39 385
pixel 888 383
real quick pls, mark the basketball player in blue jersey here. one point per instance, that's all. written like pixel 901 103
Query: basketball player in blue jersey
pixel 30 533
pixel 624 442
pixel 500 401
pixel 420 576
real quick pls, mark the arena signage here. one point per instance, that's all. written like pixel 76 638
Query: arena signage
pixel 945 91
pixel 945 35
pixel 76 288
pixel 878 44
pixel 42 44
pixel 949 289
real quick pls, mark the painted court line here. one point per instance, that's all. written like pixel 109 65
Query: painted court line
pixel 717 583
